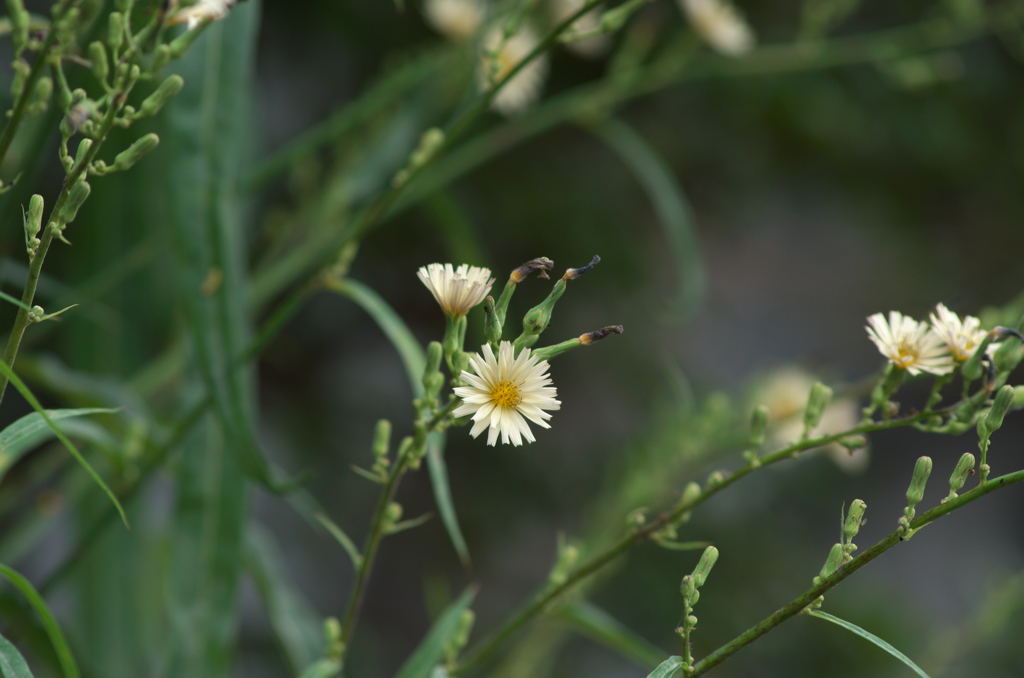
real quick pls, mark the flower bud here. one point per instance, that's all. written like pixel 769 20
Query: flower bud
pixel 704 565
pixel 853 443
pixel 139 149
pixel 834 560
pixel 1018 397
pixel 382 439
pixel 597 335
pixel 541 264
pixel 915 493
pixel 19 24
pixel 115 31
pixel 41 94
pixel 159 98
pixel 758 427
pixel 492 324
pixel 994 419
pixel 33 217
pixel 816 403
pixel 964 468
pixel 76 197
pixel 854 519
pixel 98 57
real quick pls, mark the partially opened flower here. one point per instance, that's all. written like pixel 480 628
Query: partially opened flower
pixel 504 392
pixel 909 344
pixel 501 55
pixel 202 9
pixel 456 289
pixel 720 25
pixel 455 19
pixel 962 338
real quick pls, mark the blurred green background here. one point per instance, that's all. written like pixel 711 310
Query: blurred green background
pixel 812 196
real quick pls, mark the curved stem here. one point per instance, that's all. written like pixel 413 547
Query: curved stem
pixel 545 597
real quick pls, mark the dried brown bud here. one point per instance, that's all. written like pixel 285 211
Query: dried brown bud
pixel 540 264
pixel 574 273
pixel 597 335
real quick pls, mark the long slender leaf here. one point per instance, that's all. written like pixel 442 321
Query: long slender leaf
pixel 31 430
pixel 414 360
pixel 324 668
pixel 343 539
pixel 667 668
pixel 430 651
pixel 856 630
pixel 34 402
pixel 60 644
pixel 610 632
pixel 12 664
pixel 296 624
pixel 207 143
pixel 672 209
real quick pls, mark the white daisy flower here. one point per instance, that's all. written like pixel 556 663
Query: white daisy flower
pixel 720 25
pixel 500 56
pixel 961 338
pixel 202 9
pixel 455 19
pixel 456 289
pixel 503 391
pixel 909 344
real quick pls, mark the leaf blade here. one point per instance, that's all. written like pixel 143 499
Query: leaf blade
pixel 60 644
pixel 429 652
pixel 12 664
pixel 605 629
pixel 31 430
pixel 667 668
pixel 870 637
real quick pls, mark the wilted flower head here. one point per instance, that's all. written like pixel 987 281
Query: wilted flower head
pixel 456 289
pixel 909 344
pixel 720 25
pixel 961 338
pixel 202 9
pixel 455 19
pixel 504 392
pixel 500 56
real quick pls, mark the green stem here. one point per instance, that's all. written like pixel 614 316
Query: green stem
pixel 543 599
pixel 797 605
pixel 42 57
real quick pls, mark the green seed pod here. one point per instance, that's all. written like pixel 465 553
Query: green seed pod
pixel 100 65
pixel 76 197
pixel 758 427
pixel 393 513
pixel 854 519
pixel 915 493
pixel 382 439
pixel 834 560
pixel 164 93
pixel 704 565
pixel 131 155
pixel 964 468
pixel 816 403
pixel 115 31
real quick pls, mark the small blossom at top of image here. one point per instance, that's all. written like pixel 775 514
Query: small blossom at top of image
pixel 720 25
pixel 502 54
pixel 202 9
pixel 455 19
pixel 909 344
pixel 504 391
pixel 456 289
pixel 962 338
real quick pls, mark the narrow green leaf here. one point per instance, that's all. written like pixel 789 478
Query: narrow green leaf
pixel 672 209
pixel 27 394
pixel 431 650
pixel 683 545
pixel 667 668
pixel 443 495
pixel 31 430
pixel 296 624
pixel 856 630
pixel 397 332
pixel 17 302
pixel 325 668
pixel 605 629
pixel 12 664
pixel 410 524
pixel 60 644
pixel 343 539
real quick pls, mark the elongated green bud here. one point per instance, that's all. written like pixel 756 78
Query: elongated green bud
pixel 76 197
pixel 704 565
pixel 854 519
pixel 83 151
pixel 964 468
pixel 758 427
pixel 568 554
pixel 834 560
pixel 41 94
pixel 1018 397
pixel 492 324
pixel 461 636
pixel 21 71
pixel 994 419
pixel 115 31
pixel 34 216
pixel 159 98
pixel 161 55
pixel 98 57
pixel 19 24
pixel 816 404
pixel 131 155
pixel 915 493
pixel 382 439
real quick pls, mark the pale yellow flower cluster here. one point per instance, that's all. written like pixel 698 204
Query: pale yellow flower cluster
pixel 936 347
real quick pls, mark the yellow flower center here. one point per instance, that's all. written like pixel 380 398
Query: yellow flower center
pixel 506 394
